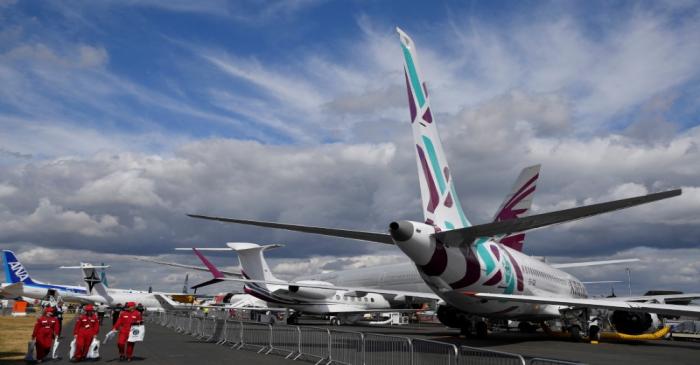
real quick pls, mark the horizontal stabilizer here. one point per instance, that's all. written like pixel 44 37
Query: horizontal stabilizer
pixel 344 233
pixel 207 283
pixel 592 263
pixel 469 234
pixel 191 267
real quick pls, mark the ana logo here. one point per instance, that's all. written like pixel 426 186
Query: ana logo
pixel 19 270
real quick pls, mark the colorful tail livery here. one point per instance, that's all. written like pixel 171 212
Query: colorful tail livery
pixel 14 270
pixel 518 203
pixel 441 206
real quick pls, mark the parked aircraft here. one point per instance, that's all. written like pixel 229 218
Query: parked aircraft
pixel 343 306
pixel 21 284
pixel 467 265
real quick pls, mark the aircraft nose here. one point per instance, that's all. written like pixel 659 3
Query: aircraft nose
pixel 401 231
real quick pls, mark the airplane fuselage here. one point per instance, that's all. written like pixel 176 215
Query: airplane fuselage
pixel 485 266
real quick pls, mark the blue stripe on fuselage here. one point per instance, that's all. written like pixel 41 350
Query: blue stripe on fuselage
pixel 56 287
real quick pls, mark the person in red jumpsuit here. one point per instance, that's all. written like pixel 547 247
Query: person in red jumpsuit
pixel 45 331
pixel 87 326
pixel 128 317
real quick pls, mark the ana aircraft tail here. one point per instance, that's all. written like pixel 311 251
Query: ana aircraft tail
pixel 517 204
pixel 441 206
pixel 14 270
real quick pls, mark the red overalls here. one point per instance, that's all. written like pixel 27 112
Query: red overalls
pixel 127 318
pixel 86 327
pixel 45 330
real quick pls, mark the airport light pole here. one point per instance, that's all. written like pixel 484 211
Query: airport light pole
pixel 629 281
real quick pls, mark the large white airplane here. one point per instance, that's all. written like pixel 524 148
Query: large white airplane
pixel 20 284
pixel 467 266
pixel 343 306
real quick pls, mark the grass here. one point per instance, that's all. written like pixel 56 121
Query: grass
pixel 15 333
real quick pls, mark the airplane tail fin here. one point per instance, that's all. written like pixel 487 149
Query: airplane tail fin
pixel 14 270
pixel 253 261
pixel 441 206
pixel 91 277
pixel 518 203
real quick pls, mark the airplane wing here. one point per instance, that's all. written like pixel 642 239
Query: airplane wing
pixel 344 233
pixel 467 235
pixel 603 303
pixel 464 236
pixel 343 288
pixel 191 267
pixel 662 298
pixel 13 289
pixel 592 263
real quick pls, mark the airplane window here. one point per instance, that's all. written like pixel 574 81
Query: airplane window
pixel 372 299
pixel 337 297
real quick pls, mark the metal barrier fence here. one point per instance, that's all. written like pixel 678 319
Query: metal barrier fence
pixel 429 352
pixel 476 356
pixel 387 350
pixel 321 345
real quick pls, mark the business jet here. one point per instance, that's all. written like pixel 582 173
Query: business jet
pixel 467 265
pixel 20 284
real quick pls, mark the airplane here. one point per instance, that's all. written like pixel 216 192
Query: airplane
pixel 20 284
pixel 467 266
pixel 342 306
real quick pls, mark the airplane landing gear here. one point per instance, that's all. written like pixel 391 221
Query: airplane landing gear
pixel 293 318
pixel 481 329
pixel 335 321
pixel 466 329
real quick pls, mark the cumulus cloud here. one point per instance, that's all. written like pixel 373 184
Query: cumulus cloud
pixel 322 138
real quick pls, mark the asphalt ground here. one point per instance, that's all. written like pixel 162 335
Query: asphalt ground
pixel 540 345
pixel 165 346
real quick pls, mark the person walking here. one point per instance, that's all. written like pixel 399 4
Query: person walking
pixel 101 311
pixel 115 313
pixel 87 326
pixel 127 318
pixel 44 334
pixel 58 314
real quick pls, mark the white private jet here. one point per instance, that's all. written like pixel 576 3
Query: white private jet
pixel 467 266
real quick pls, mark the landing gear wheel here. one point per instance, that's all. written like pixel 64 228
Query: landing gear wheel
pixel 335 321
pixel 466 331
pixel 575 332
pixel 594 333
pixel 526 327
pixel 481 329
pixel 292 320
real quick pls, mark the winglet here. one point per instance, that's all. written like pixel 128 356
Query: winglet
pixel 214 271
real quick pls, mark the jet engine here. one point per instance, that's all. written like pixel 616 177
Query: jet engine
pixel 312 293
pixel 634 323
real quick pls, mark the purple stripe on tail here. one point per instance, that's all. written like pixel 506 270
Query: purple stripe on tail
pixel 437 263
pixel 473 270
pixel 518 272
pixel 411 102
pixel 514 241
pixel 494 279
pixel 434 197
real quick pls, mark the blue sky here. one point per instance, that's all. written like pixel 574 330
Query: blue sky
pixel 117 117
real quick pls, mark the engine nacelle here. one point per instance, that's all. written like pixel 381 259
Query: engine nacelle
pixel 634 323
pixel 312 293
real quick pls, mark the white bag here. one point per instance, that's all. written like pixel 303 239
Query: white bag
pixel 31 351
pixel 54 349
pixel 72 349
pixel 136 333
pixel 94 352
pixel 110 335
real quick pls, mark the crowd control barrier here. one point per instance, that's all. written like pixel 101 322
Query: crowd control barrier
pixel 330 346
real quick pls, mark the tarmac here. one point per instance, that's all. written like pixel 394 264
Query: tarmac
pixel 165 346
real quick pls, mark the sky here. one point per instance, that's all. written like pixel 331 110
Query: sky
pixel 119 117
